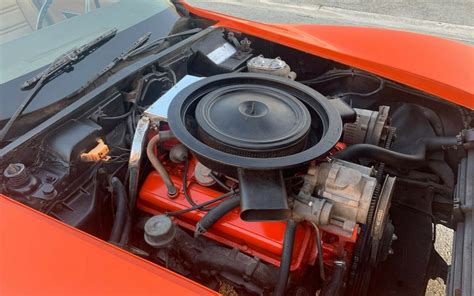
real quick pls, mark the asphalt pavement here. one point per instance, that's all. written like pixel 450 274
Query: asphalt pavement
pixel 458 12
pixel 452 19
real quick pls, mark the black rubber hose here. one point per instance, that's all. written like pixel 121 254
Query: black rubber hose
pixel 126 232
pixel 121 212
pixel 156 163
pixel 397 159
pixel 202 205
pixel 285 263
pixel 444 171
pixel 215 214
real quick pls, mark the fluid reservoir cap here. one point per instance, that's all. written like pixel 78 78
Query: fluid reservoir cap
pixel 159 231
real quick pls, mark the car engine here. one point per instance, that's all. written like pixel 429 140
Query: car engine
pixel 251 137
pixel 262 171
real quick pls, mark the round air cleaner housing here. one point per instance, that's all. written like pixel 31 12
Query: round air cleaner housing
pixel 253 121
pixel 252 126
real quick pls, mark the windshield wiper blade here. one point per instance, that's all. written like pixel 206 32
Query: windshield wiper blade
pixel 136 48
pixel 69 58
pixel 122 57
pixel 56 68
pixel 160 40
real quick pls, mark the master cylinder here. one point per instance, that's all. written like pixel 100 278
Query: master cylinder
pixel 276 67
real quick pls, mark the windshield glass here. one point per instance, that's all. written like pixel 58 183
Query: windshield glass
pixel 34 32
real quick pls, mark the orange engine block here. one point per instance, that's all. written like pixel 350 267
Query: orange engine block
pixel 261 239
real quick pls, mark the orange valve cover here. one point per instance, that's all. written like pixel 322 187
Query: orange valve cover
pixel 261 239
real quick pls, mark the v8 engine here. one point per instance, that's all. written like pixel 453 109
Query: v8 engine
pixel 260 153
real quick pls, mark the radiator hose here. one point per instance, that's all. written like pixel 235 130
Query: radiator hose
pixel 286 255
pixel 121 212
pixel 397 159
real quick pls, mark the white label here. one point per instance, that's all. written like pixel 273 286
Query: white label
pixel 221 54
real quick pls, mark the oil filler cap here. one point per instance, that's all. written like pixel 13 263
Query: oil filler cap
pixel 159 231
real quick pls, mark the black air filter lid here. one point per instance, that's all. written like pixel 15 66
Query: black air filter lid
pixel 253 117
pixel 325 130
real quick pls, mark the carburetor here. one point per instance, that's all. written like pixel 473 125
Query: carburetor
pixel 337 193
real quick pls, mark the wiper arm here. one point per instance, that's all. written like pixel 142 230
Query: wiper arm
pixel 122 57
pixel 66 60
pixel 160 40
pixel 136 48
pixel 56 68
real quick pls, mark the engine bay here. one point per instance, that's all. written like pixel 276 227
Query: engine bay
pixel 245 164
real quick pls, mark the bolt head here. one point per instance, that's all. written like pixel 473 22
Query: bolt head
pixel 13 170
pixel 47 189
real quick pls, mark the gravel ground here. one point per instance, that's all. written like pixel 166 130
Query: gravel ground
pixel 444 245
pixel 446 18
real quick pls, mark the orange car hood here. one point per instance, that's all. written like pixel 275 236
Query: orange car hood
pixel 438 66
